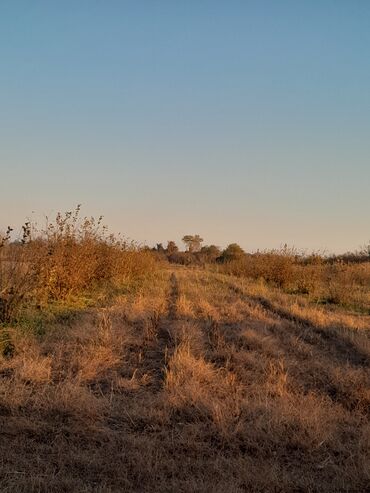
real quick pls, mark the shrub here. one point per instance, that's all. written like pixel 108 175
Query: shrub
pixel 69 257
pixel 232 252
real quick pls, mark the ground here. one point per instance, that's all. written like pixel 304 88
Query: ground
pixel 196 382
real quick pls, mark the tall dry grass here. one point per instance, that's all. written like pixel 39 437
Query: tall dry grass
pixel 69 258
pixel 328 281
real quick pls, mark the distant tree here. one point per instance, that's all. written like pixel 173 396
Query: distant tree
pixel 171 247
pixel 187 239
pixel 366 249
pixel 210 252
pixel 232 252
pixel 193 242
pixel 160 248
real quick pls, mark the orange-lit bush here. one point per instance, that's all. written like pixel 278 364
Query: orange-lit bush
pixel 68 257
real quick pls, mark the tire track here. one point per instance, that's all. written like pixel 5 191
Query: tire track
pixel 307 356
pixel 162 344
pixel 327 341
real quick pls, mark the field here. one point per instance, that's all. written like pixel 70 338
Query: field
pixel 192 380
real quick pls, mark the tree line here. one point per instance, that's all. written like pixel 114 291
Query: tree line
pixel 195 253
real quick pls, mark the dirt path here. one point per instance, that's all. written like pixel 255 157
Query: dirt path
pixel 192 384
pixel 161 343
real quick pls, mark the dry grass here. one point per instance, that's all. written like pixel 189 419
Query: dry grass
pixel 325 281
pixel 193 382
pixel 72 260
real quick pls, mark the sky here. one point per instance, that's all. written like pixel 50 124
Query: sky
pixel 241 121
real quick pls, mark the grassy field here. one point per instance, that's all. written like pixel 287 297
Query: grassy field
pixel 192 380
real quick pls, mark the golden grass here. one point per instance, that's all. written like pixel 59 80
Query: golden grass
pixel 335 281
pixel 70 260
pixel 193 382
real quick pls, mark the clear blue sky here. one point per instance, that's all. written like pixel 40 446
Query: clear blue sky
pixel 243 121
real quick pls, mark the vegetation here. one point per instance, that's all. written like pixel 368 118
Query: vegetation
pixel 125 368
pixel 341 280
pixel 71 259
pixel 322 280
pixel 193 242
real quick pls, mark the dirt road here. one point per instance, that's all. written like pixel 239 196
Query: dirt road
pixel 197 382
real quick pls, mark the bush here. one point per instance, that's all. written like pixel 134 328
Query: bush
pixel 231 253
pixel 71 256
pixel 330 280
pixel 273 267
